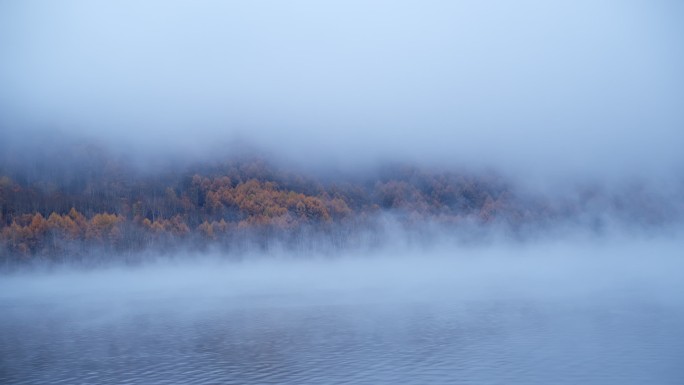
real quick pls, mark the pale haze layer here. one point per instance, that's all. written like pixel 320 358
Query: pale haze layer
pixel 533 87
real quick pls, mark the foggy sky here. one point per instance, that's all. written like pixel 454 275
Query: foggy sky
pixel 549 88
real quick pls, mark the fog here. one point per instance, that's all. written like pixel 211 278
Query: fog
pixel 583 268
pixel 536 89
pixel 586 309
pixel 431 192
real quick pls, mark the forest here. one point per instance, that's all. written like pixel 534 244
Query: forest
pixel 63 207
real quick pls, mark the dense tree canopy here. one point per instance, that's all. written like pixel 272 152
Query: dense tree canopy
pixel 48 210
pixel 119 209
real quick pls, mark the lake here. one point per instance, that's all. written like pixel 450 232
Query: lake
pixel 375 321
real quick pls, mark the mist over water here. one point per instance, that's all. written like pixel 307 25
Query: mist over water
pixel 596 311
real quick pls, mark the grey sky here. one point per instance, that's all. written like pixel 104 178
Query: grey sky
pixel 542 86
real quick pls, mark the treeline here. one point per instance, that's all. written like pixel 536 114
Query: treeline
pixel 54 206
pixel 120 209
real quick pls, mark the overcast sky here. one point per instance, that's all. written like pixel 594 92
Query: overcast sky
pixel 548 87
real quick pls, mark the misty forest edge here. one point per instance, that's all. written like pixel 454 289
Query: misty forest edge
pixel 52 209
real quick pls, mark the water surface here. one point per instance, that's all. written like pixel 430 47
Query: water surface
pixel 135 327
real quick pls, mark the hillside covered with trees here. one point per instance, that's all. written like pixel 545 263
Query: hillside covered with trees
pixel 65 207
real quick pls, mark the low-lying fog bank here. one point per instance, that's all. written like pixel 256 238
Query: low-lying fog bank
pixel 545 269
